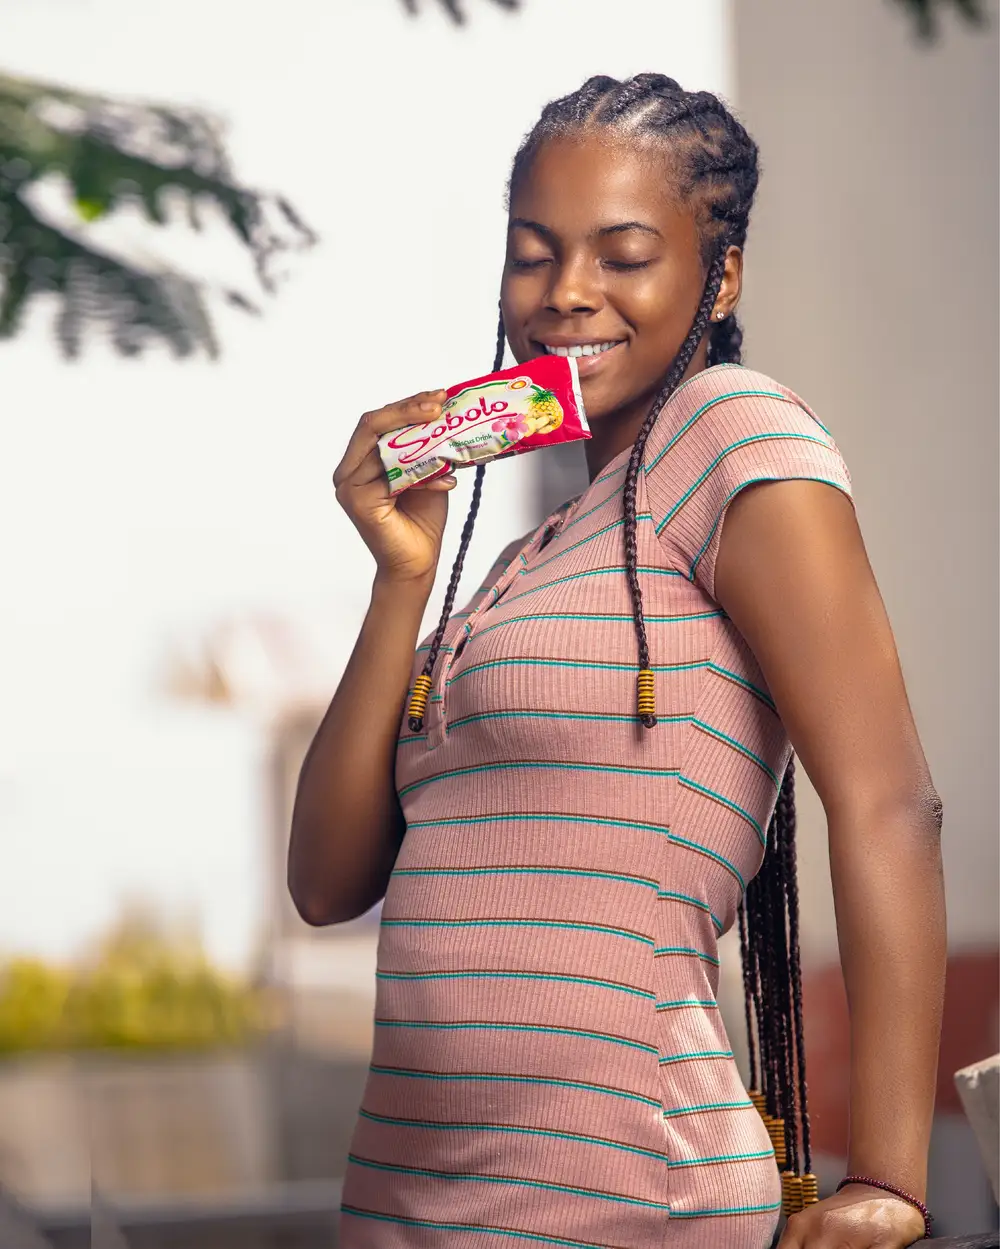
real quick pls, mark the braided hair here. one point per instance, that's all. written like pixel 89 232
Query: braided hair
pixel 714 167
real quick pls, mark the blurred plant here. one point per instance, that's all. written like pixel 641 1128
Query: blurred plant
pixel 115 153
pixel 924 12
pixel 455 10
pixel 145 989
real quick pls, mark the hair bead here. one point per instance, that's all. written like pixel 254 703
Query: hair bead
pixel 791 1193
pixel 810 1189
pixel 646 683
pixel 418 702
pixel 776 1131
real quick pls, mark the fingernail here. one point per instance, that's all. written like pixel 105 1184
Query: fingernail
pixel 428 406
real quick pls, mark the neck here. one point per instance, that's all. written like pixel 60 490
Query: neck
pixel 617 432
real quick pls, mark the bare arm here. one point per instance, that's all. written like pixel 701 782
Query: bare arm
pixel 793 575
pixel 347 825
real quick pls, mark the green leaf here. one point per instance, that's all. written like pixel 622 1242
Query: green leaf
pixel 91 209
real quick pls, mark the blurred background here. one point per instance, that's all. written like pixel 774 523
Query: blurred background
pixel 180 1057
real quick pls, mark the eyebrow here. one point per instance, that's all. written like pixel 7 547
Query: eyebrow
pixel 621 227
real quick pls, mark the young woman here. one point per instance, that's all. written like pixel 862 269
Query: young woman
pixel 557 859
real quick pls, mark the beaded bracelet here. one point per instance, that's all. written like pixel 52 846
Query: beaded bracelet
pixel 895 1192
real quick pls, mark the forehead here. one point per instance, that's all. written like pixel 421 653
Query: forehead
pixel 578 183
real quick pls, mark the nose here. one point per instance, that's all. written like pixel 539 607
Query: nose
pixel 573 289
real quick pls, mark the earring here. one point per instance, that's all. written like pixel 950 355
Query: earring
pixel 719 316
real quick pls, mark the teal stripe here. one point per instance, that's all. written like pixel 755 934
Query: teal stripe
pixel 617 524
pixel 575 663
pixel 711 854
pixel 589 512
pixel 559 924
pixel 764 697
pixel 753 481
pixel 726 802
pixel 731 741
pixel 667 1059
pixel 668 895
pixel 686 1003
pixel 537 1029
pixel 410 738
pixel 538 765
pixel 445 650
pixel 558 715
pixel 702 1162
pixel 714 1214
pixel 515 975
pixel 613 618
pixel 544 818
pixel 468 1228
pixel 596 572
pixel 583 873
pixel 598 821
pixel 686 949
pixel 743 442
pixel 580 1086
pixel 697 1110
pixel 510 1130
pixel 733 394
pixel 510 1182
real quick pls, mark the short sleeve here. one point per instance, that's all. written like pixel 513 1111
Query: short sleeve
pixel 727 429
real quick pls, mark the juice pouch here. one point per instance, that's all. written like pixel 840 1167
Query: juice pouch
pixel 533 405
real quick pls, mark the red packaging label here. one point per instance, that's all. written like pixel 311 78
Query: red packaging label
pixel 533 405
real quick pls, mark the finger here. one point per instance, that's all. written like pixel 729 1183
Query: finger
pixel 373 425
pixel 447 482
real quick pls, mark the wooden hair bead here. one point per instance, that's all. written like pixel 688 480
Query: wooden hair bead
pixel 418 702
pixel 646 682
pixel 791 1193
pixel 810 1189
pixel 776 1131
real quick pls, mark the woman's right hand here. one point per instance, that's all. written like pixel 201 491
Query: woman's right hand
pixel 402 531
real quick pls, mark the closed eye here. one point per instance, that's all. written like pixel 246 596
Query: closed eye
pixel 528 264
pixel 626 266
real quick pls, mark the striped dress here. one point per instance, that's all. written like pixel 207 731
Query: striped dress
pixel 550 1066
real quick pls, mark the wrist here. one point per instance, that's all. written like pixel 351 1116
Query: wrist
pixel 402 590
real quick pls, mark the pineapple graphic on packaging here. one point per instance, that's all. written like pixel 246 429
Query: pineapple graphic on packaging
pixel 544 412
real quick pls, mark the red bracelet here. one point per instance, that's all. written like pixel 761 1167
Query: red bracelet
pixel 896 1192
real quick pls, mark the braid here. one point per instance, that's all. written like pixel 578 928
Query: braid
pixel 677 371
pixel 416 719
pixel 726 344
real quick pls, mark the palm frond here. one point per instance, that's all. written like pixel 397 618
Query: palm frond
pixel 114 153
pixel 455 9
pixel 927 14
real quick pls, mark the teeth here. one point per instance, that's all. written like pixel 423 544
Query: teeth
pixel 587 349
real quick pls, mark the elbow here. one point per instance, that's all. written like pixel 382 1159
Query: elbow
pixel 312 909
pixel 318 904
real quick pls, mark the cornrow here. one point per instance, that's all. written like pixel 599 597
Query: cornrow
pixel 714 165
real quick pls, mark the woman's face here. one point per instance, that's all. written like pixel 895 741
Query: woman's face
pixel 601 256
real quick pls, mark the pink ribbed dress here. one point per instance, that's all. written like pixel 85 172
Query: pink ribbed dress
pixel 550 1066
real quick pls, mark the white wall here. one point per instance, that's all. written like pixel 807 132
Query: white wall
pixel 871 290
pixel 140 501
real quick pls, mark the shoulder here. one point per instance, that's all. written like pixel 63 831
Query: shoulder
pixel 723 404
pixel 725 429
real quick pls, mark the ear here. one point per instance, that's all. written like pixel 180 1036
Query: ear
pixel 732 285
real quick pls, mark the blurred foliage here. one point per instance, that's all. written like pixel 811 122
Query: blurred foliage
pixel 113 153
pixel 143 990
pixel 925 13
